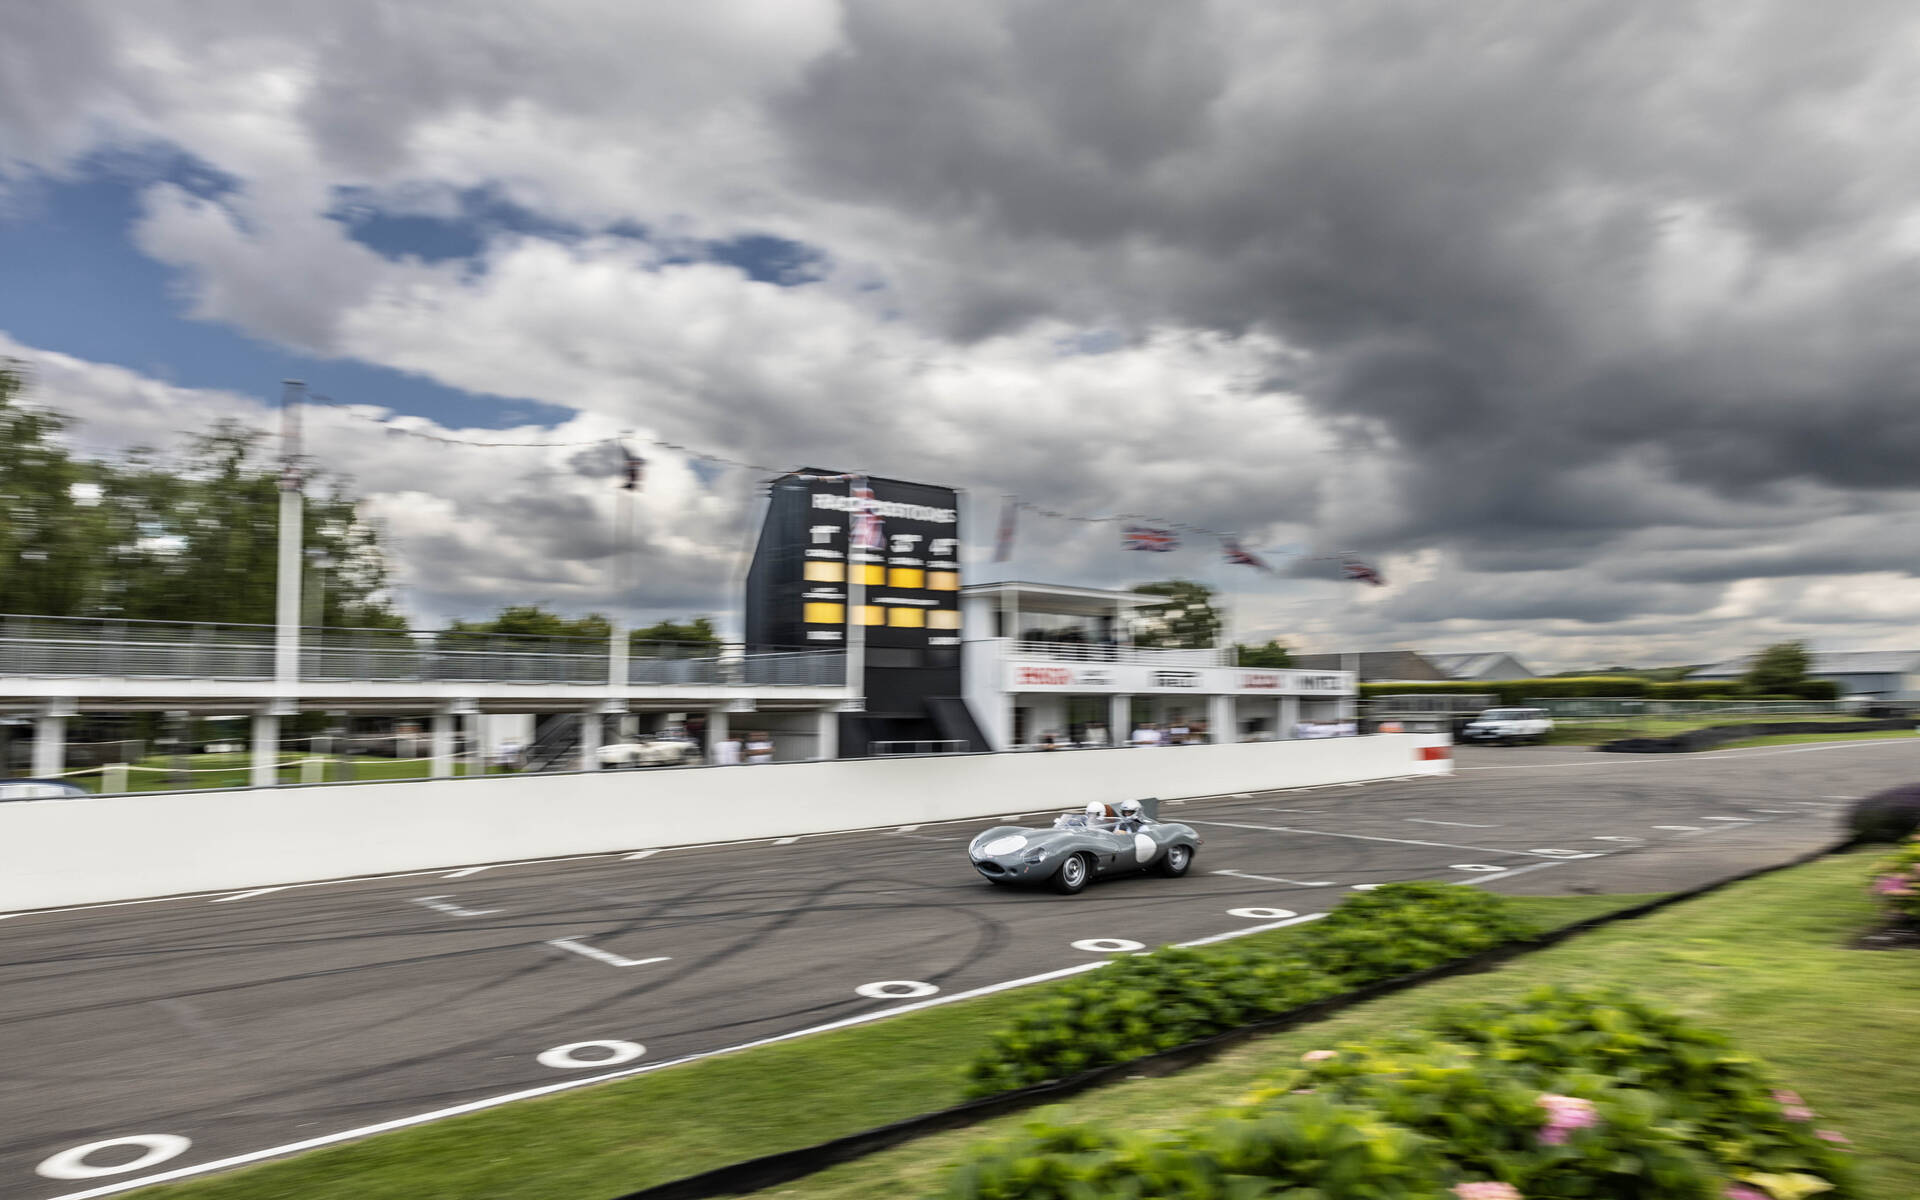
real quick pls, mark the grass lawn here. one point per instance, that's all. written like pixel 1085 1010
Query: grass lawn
pixel 601 1142
pixel 155 773
pixel 1571 732
pixel 1782 739
pixel 1764 961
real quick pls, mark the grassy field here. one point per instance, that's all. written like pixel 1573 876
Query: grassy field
pixel 605 1141
pixel 1784 739
pixel 1569 732
pixel 156 773
pixel 1766 961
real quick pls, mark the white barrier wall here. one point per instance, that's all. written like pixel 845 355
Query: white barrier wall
pixel 56 852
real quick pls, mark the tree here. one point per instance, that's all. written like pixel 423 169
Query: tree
pixel 1778 668
pixel 1184 619
pixel 696 632
pixel 50 526
pixel 1272 655
pixel 533 621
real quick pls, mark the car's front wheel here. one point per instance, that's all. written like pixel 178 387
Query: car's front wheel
pixel 1174 863
pixel 1072 875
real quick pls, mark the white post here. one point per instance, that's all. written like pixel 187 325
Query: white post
pixel 286 657
pixel 114 778
pixel 1289 715
pixel 50 741
pixel 590 730
pixel 856 627
pixel 266 748
pixel 1120 720
pixel 716 732
pixel 1222 715
pixel 442 744
pixel 827 741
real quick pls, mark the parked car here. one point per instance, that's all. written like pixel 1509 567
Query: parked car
pixel 40 789
pixel 1083 845
pixel 650 752
pixel 1508 726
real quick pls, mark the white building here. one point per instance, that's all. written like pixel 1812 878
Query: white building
pixel 1044 660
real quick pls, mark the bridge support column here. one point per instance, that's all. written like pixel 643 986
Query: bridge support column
pixel 266 748
pixel 716 732
pixel 1289 716
pixel 592 725
pixel 1222 720
pixel 443 744
pixel 827 741
pixel 1120 720
pixel 50 739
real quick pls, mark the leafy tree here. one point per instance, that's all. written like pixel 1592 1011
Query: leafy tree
pixel 533 621
pixel 50 527
pixel 1185 618
pixel 1272 655
pixel 697 632
pixel 1778 668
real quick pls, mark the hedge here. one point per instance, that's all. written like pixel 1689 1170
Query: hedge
pixel 1152 1002
pixel 1562 1094
pixel 1509 692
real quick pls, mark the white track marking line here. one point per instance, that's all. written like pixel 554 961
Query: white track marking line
pixel 1276 879
pixel 1460 824
pixel 637 855
pixel 1515 871
pixel 1681 828
pixel 906 829
pixel 463 872
pixel 785 841
pixel 238 1160
pixel 1726 818
pixel 247 894
pixel 598 955
pixel 437 904
pixel 1362 837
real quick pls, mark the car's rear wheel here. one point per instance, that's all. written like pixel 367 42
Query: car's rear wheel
pixel 1072 875
pixel 1174 863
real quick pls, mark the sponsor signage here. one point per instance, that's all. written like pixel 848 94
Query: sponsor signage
pixel 1260 681
pixel 1141 677
pixel 1043 677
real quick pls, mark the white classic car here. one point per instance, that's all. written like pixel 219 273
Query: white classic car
pixel 650 752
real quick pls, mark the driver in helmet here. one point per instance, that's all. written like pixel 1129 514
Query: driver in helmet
pixel 1132 817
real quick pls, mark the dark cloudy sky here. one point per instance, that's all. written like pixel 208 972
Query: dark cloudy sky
pixel 1587 321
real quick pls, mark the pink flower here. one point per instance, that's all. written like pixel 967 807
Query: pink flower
pixel 1833 1135
pixel 1490 1190
pixel 1798 1112
pixel 1553 1135
pixel 1889 885
pixel 1736 1192
pixel 1784 1096
pixel 1319 1055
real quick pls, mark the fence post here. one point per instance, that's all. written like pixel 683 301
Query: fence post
pixel 114 778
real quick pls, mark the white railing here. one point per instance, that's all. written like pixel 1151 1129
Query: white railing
pixel 1090 652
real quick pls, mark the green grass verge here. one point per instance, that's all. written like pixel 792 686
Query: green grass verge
pixel 236 770
pixel 1763 961
pixel 1571 732
pixel 602 1142
pixel 1783 739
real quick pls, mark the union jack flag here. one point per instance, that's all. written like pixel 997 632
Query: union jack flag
pixel 636 471
pixel 1147 537
pixel 1003 543
pixel 866 517
pixel 1240 555
pixel 1360 572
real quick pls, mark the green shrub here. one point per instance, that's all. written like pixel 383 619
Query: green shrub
pixel 1694 689
pixel 1888 816
pixel 1897 881
pixel 1559 1096
pixel 1152 1002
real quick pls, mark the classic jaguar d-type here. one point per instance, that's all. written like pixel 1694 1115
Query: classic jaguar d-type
pixel 1084 845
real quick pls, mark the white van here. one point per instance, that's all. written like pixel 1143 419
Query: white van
pixel 1509 725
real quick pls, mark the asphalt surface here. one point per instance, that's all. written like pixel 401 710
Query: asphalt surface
pixel 247 1023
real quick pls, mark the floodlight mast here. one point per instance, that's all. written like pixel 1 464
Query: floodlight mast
pixel 286 658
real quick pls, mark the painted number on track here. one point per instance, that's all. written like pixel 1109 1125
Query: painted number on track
pixel 73 1164
pixel 567 1057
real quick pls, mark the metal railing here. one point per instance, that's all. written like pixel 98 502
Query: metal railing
pixel 70 647
pixel 1604 707
pixel 899 748
pixel 1101 652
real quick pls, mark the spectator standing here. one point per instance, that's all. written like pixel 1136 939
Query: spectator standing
pixel 1177 734
pixel 726 751
pixel 759 748
pixel 1146 735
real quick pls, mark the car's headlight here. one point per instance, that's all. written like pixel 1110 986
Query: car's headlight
pixel 1004 845
pixel 1036 856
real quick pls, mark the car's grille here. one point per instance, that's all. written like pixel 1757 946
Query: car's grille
pixel 991 868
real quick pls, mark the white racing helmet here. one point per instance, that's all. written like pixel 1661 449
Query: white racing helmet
pixel 1130 810
pixel 1096 809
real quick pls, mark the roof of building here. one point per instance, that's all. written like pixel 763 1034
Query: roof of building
pixel 1476 666
pixel 1830 662
pixel 1376 665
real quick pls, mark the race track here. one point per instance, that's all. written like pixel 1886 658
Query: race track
pixel 245 1024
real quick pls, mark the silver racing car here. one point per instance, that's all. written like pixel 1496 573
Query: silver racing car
pixel 1082 845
